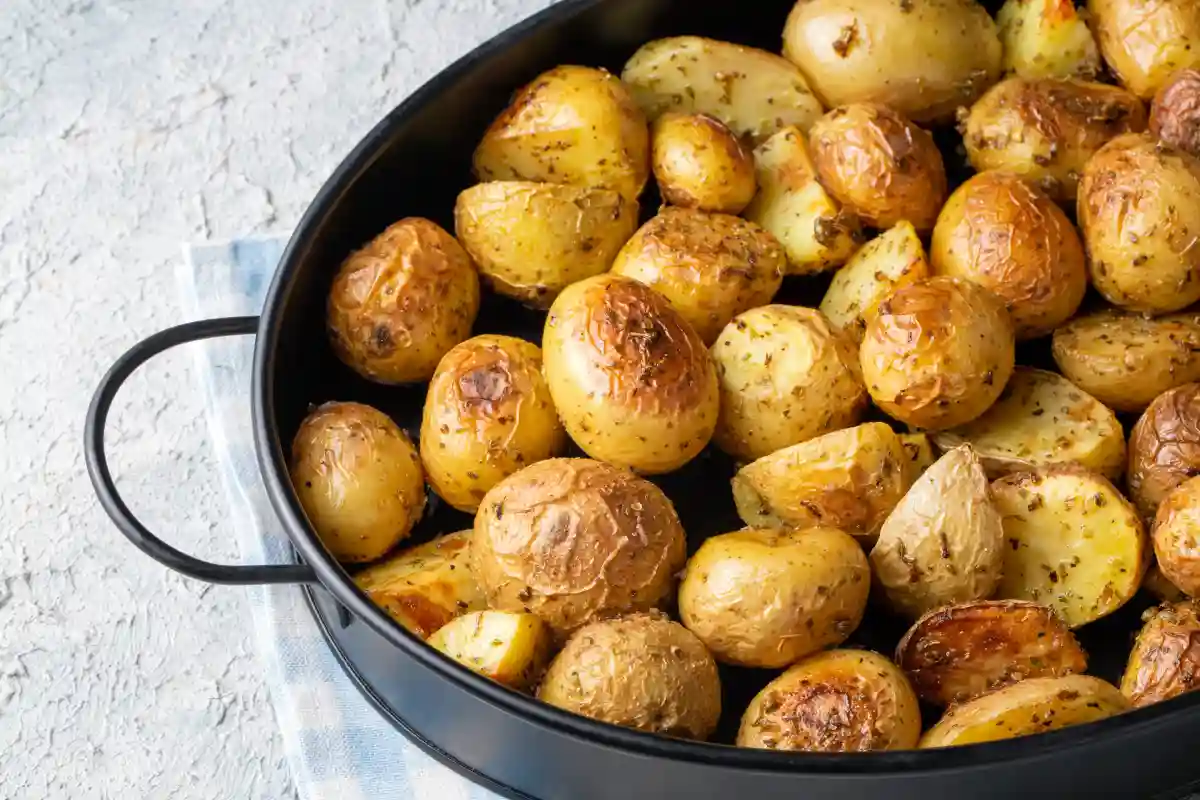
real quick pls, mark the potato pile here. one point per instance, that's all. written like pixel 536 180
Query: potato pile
pixel 896 445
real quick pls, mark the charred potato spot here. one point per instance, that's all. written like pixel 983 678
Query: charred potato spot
pixel 700 163
pixel 1177 536
pixel 1165 661
pixel 1164 448
pixel 1175 114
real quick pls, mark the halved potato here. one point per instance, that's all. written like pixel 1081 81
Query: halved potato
pixel 1042 419
pixel 1073 542
pixel 921 453
pixel 1032 706
pixel 1165 661
pixel 954 654
pixel 509 647
pixel 1047 39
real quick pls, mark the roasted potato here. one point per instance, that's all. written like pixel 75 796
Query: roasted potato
pixel 1144 41
pixel 924 58
pixel 512 649
pixel 1175 113
pixel 488 413
pixel 1042 419
pixel 1047 39
pixel 938 353
pixel 942 543
pixel 1141 224
pixel 918 447
pixel 642 671
pixel 532 240
pixel 817 233
pixel 849 479
pixel 1164 448
pixel 1047 130
pixel 786 376
pixel 956 653
pixel 1176 539
pixel 753 92
pixel 838 701
pixel 879 165
pixel 573 125
pixel 402 301
pixel 711 267
pixel 1073 542
pixel 1159 587
pixel 1008 236
pixel 631 379
pixel 1032 706
pixel 571 540
pixel 700 163
pixel 427 586
pixel 359 480
pixel 1165 661
pixel 767 597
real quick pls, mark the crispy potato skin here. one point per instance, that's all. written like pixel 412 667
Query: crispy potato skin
pixel 1176 527
pixel 879 165
pixel 641 671
pixel 359 479
pixel 1047 130
pixel 924 58
pixel 1164 448
pixel 511 649
pixel 938 353
pixel 786 376
pixel 711 267
pixel 532 240
pixel 1165 661
pixel 1008 236
pixel 1175 113
pixel 398 304
pixel 1144 41
pixel 839 701
pixel 1047 39
pixel 632 381
pixel 572 540
pixel 954 654
pixel 700 163
pixel 1140 220
pixel 768 597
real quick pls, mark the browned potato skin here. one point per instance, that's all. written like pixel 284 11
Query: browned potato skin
pixel 711 267
pixel 572 540
pixel 1160 588
pixel 1175 113
pixel 402 301
pixel 881 166
pixel 1165 661
pixel 839 701
pixel 954 654
pixel 641 671
pixel 1008 236
pixel 1176 538
pixel 938 353
pixel 1047 130
pixel 1144 41
pixel 1164 448
pixel 700 163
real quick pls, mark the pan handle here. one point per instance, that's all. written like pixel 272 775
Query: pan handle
pixel 106 488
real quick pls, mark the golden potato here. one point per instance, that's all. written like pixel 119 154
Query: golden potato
pixel 532 240
pixel 1141 224
pixel 711 267
pixel 1047 130
pixel 402 301
pixel 1164 448
pixel 879 165
pixel 488 413
pixel 700 163
pixel 786 376
pixel 1175 113
pixel 942 543
pixel 839 701
pixel 924 58
pixel 511 649
pixel 631 379
pixel 1176 528
pixel 1047 39
pixel 1165 661
pixel 1160 588
pixel 938 353
pixel 959 652
pixel 1032 706
pixel 572 540
pixel 1144 41
pixel 849 479
pixel 574 125
pixel 1003 233
pixel 359 480
pixel 767 597
pixel 641 671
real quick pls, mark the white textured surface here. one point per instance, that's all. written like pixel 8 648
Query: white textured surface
pixel 126 127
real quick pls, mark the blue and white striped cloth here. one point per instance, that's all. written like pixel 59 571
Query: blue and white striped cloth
pixel 338 747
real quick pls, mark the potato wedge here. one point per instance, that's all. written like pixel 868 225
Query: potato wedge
pixel 1072 542
pixel 1047 39
pixel 755 93
pixel 954 654
pixel 511 648
pixel 1032 706
pixel 1042 419
pixel 1164 447
pixel 1165 661
pixel 1177 536
pixel 921 454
